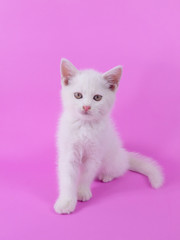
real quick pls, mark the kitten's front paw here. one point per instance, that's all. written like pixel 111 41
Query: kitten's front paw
pixel 65 206
pixel 84 194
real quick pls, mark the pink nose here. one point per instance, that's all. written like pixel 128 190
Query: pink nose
pixel 86 108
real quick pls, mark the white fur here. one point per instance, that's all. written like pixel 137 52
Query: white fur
pixel 88 144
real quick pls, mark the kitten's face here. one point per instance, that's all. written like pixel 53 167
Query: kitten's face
pixel 88 95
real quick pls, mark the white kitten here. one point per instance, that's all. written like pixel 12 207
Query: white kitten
pixel 88 145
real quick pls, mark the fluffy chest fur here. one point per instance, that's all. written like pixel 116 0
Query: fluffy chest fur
pixel 84 138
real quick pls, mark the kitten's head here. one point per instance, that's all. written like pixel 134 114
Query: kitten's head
pixel 88 94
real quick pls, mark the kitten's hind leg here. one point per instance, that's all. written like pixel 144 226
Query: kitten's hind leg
pixel 114 165
pixel 105 178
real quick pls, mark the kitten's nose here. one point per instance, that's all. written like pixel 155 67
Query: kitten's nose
pixel 86 108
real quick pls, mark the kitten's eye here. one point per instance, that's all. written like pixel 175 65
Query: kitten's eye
pixel 97 97
pixel 78 95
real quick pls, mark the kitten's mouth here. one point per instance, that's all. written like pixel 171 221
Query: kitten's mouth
pixel 85 113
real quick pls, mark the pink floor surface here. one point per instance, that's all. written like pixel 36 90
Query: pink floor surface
pixel 122 209
pixel 144 37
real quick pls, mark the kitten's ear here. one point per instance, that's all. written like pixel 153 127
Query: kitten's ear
pixel 68 71
pixel 112 77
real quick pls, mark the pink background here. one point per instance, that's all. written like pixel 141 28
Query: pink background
pixel 144 37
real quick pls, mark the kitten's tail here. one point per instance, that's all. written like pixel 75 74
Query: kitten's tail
pixel 148 167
